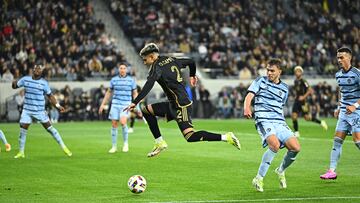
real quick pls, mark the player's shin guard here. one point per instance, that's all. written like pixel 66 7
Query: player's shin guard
pixel 152 122
pixel 56 136
pixel 202 136
pixel 296 125
pixel 289 158
pixel 125 133
pixel 114 135
pixel 22 139
pixel 335 152
pixel 2 137
pixel 266 162
pixel 357 144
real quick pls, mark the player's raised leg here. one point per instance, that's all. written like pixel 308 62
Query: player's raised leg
pixel 3 139
pixel 293 146
pixel 56 135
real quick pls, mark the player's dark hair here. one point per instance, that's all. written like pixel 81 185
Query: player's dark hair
pixel 345 49
pixel 275 62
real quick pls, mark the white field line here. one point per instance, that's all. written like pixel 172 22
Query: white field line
pixel 265 200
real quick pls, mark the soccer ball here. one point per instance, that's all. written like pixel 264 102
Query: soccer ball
pixel 137 184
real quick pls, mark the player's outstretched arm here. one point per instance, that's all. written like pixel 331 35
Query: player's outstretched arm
pixel 105 100
pixel 54 102
pixel 247 104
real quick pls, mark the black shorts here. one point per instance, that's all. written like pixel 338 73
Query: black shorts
pixel 300 107
pixel 182 115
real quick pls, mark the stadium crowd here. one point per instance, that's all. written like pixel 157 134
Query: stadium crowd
pixel 236 38
pixel 63 34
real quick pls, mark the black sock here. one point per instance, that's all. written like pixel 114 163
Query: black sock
pixel 296 127
pixel 315 120
pixel 132 121
pixel 153 125
pixel 202 136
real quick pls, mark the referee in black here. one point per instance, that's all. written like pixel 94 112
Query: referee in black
pixel 166 71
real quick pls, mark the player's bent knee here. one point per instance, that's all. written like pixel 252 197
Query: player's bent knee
pixel 274 148
pixel 146 110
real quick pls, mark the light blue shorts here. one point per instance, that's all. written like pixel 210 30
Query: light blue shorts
pixel 116 112
pixel 28 116
pixel 280 130
pixel 348 122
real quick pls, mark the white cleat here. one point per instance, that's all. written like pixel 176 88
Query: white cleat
pixel 113 150
pixel 125 148
pixel 324 125
pixel 130 130
pixel 258 184
pixel 282 179
pixel 297 134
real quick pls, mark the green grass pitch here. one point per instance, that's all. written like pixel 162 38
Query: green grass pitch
pixel 186 172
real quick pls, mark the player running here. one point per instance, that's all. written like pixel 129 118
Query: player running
pixel 270 95
pixel 348 112
pixel 166 71
pixel 301 106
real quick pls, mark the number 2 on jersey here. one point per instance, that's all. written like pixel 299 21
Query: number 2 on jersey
pixel 178 75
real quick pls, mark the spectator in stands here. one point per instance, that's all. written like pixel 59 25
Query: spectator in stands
pixel 7 76
pixel 19 98
pixel 95 65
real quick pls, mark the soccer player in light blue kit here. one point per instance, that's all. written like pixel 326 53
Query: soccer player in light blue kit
pixel 270 95
pixel 34 108
pixel 3 139
pixel 123 88
pixel 348 113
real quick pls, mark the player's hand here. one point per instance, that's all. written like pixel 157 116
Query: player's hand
pixel 247 113
pixel 130 107
pixel 101 109
pixel 301 98
pixel 193 81
pixel 350 109
pixel 336 113
pixel 61 109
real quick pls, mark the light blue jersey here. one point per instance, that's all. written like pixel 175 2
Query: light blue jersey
pixel 349 83
pixel 270 99
pixel 35 91
pixel 122 88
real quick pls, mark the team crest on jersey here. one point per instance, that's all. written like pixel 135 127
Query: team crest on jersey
pixel 280 93
pixel 268 130
pixel 349 80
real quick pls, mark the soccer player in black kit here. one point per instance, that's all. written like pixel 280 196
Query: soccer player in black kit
pixel 302 91
pixel 166 71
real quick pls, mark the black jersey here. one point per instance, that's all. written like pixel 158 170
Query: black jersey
pixel 301 87
pixel 166 71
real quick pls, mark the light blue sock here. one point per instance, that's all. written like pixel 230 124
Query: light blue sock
pixel 114 134
pixel 336 152
pixel 357 144
pixel 2 137
pixel 266 162
pixel 22 139
pixel 125 133
pixel 56 136
pixel 289 158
